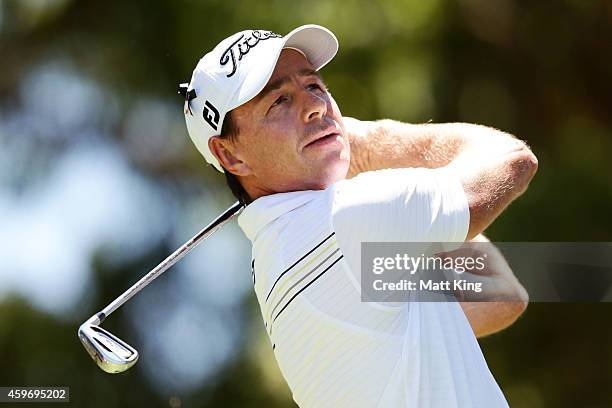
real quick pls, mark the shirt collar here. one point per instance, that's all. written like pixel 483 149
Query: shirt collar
pixel 264 210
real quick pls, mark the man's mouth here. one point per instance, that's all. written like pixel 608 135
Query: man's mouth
pixel 322 140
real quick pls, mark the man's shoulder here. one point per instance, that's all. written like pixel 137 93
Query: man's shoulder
pixel 291 240
pixel 278 213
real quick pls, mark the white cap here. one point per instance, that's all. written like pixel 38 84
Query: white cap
pixel 237 69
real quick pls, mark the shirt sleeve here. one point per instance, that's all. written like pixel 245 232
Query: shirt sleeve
pixel 399 205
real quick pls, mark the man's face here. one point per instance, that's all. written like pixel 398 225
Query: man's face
pixel 291 136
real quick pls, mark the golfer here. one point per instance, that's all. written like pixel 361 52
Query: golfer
pixel 317 185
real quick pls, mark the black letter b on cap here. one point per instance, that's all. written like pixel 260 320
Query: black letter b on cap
pixel 211 115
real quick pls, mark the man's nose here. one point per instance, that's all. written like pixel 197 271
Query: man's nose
pixel 314 106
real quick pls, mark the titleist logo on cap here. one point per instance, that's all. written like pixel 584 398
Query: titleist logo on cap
pixel 243 45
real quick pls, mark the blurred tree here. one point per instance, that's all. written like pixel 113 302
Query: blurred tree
pixel 540 70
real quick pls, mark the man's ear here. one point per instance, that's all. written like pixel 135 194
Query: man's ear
pixel 225 151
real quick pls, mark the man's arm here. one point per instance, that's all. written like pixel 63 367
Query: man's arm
pixel 494 167
pixel 509 298
pixel 388 143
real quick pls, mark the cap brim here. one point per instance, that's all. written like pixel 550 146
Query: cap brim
pixel 318 44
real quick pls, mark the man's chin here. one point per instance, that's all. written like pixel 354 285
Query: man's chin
pixel 331 173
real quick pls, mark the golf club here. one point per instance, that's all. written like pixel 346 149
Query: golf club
pixel 111 353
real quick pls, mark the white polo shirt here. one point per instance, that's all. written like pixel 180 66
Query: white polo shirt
pixel 333 349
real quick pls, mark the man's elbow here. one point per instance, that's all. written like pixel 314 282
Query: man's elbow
pixel 530 161
pixel 505 313
pixel 487 318
pixel 513 310
pixel 518 308
pixel 524 166
pixel 524 161
pixel 517 304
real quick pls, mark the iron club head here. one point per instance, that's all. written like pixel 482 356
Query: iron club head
pixel 110 353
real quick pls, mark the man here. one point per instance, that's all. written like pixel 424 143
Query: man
pixel 258 110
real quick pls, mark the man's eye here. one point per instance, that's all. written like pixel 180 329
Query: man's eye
pixel 315 86
pixel 279 101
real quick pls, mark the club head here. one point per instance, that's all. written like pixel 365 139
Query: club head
pixel 109 352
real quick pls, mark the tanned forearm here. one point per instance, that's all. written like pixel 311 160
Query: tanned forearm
pixel 390 144
pixel 494 167
pixel 387 143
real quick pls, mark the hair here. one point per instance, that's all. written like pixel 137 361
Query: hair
pixel 229 131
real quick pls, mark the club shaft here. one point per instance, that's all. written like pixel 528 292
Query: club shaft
pixel 207 231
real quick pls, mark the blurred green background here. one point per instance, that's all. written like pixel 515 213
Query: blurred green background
pixel 99 181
